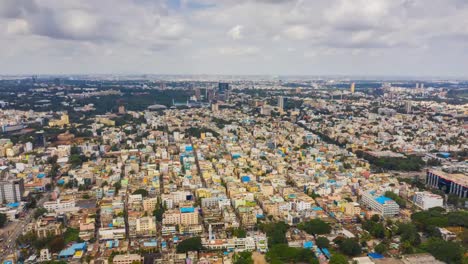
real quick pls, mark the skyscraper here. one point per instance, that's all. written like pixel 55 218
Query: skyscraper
pixel 352 88
pixel 408 106
pixel 281 103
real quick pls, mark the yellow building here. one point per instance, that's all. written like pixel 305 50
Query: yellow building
pixel 63 121
pixel 352 88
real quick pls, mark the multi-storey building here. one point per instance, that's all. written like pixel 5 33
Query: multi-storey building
pixel 381 204
pixel 427 200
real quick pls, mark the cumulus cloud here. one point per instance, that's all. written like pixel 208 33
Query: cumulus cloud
pixel 159 34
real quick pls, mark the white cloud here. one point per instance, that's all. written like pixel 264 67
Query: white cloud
pixel 236 32
pixel 157 35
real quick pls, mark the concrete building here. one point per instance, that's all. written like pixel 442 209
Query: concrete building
pixel 381 204
pixel 281 103
pixel 59 205
pixel 127 259
pixel 11 189
pixel 450 183
pixel 427 200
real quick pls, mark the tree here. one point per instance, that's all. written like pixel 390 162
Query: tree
pixel 350 247
pixel 39 212
pixel 338 259
pixel 281 253
pixel 322 242
pixel 239 232
pixel 243 258
pixel 447 251
pixel 56 244
pixel 315 227
pixel 276 232
pixel 3 220
pixel 408 232
pixel 117 186
pixel 189 244
pixel 381 248
pixel 143 192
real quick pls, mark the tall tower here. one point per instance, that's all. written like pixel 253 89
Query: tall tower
pixel 352 88
pixel 210 233
pixel 281 103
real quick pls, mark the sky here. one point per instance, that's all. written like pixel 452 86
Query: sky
pixel 273 37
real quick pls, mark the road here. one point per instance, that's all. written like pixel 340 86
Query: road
pixel 9 244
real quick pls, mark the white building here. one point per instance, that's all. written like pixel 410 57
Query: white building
pixel 59 205
pixel 427 200
pixel 381 204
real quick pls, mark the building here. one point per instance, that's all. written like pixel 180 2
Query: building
pixel 281 103
pixel 427 200
pixel 59 205
pixel 408 107
pixel 352 88
pixel 146 226
pixel 381 204
pixel 188 216
pixel 11 189
pixel 214 107
pixel 352 209
pixel 122 109
pixel 450 183
pixel 127 259
pixel 63 121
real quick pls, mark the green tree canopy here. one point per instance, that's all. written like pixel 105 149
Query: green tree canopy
pixel 315 227
pixel 350 247
pixel 338 259
pixel 189 244
pixel 322 242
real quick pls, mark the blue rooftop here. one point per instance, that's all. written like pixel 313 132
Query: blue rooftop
pixel 375 255
pixel 383 199
pixel 187 210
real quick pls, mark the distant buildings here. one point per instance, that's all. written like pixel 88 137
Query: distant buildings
pixel 63 121
pixel 427 200
pixel 380 204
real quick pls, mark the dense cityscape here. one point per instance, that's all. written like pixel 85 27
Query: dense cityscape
pixel 206 169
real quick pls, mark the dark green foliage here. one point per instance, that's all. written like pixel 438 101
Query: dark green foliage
pixel 239 232
pixel 381 248
pixel 376 229
pixel 39 212
pixel 350 247
pixel 322 242
pixel 276 232
pixel 143 192
pixel 447 251
pixel 243 258
pixel 338 259
pixel 281 253
pixel 400 201
pixel 189 244
pixel 315 227
pixel 197 131
pixel 72 235
pixel 409 233
pixel 3 220
pixel 409 163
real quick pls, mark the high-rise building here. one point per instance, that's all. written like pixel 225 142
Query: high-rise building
pixel 121 109
pixel 352 88
pixel 11 189
pixel 281 103
pixel 427 200
pixel 198 94
pixel 380 204
pixel 223 87
pixel 214 107
pixel 408 107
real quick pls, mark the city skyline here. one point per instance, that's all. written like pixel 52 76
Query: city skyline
pixel 365 38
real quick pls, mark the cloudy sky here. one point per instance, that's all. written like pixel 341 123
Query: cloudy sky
pixel 311 37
